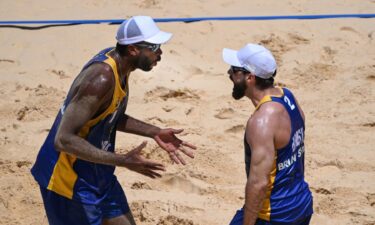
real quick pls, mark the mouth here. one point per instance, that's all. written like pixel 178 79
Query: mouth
pixel 156 62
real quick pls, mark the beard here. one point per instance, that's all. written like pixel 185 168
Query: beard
pixel 144 63
pixel 239 90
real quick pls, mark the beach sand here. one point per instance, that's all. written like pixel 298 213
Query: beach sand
pixel 329 64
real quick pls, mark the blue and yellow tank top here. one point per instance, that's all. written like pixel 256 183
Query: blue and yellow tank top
pixel 288 196
pixel 69 176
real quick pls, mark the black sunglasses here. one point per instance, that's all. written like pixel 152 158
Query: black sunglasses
pixel 235 69
pixel 152 47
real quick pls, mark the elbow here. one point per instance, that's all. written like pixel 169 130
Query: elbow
pixel 257 185
pixel 60 143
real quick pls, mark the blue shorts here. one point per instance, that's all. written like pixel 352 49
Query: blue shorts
pixel 64 211
pixel 238 220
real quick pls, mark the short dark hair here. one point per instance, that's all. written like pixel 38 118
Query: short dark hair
pixel 265 83
pixel 122 49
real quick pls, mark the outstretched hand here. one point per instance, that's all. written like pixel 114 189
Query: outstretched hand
pixel 135 162
pixel 167 140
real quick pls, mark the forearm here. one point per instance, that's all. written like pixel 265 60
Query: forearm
pixel 131 125
pixel 254 197
pixel 82 149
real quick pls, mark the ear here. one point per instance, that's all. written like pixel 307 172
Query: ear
pixel 133 50
pixel 250 79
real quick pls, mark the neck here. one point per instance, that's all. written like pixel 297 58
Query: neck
pixel 256 95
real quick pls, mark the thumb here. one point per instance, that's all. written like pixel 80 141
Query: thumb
pixel 177 131
pixel 138 148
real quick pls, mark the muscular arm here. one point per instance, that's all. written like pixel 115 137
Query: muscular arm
pixel 94 90
pixel 260 132
pixel 131 125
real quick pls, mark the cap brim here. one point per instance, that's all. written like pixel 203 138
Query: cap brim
pixel 230 57
pixel 160 38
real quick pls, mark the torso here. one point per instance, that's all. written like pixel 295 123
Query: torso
pixel 74 178
pixel 287 176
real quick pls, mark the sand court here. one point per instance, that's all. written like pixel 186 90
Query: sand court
pixel 328 63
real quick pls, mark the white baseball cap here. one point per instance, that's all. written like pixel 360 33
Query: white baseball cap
pixel 141 28
pixel 254 58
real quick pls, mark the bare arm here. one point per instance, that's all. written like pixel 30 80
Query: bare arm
pixel 89 97
pixel 131 125
pixel 94 90
pixel 260 135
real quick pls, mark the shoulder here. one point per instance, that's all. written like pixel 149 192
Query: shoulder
pixel 97 79
pixel 266 115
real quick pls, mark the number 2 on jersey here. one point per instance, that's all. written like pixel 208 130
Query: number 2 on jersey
pixel 287 100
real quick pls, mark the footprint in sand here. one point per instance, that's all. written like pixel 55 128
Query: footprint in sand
pixel 371 199
pixel 236 129
pixel 23 163
pixel 174 52
pixel 181 183
pixel 7 61
pixel 335 163
pixel 22 113
pixel 371 77
pixel 168 108
pixel 164 122
pixel 225 113
pixel 189 110
pixel 140 211
pixel 173 220
pixel 372 124
pixel 60 73
pixel 298 39
pixel 149 4
pixel 196 70
pixel 321 72
pixel 30 113
pixel 165 94
pixel 7 166
pixel 323 191
pixel 350 29
pixel 141 185
pixel 371 35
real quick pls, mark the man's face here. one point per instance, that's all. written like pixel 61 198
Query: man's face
pixel 149 55
pixel 238 76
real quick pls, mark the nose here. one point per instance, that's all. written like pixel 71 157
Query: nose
pixel 159 51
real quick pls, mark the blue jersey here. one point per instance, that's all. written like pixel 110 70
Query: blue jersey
pixel 74 178
pixel 288 197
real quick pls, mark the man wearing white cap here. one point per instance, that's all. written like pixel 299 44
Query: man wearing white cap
pixel 75 166
pixel 276 191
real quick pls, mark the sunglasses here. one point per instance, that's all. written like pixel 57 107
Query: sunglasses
pixel 235 69
pixel 152 47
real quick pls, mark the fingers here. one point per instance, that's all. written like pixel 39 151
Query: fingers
pixel 138 148
pixel 151 170
pixel 180 158
pixel 184 143
pixel 187 152
pixel 173 156
pixel 155 166
pixel 177 158
pixel 152 174
pixel 142 145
